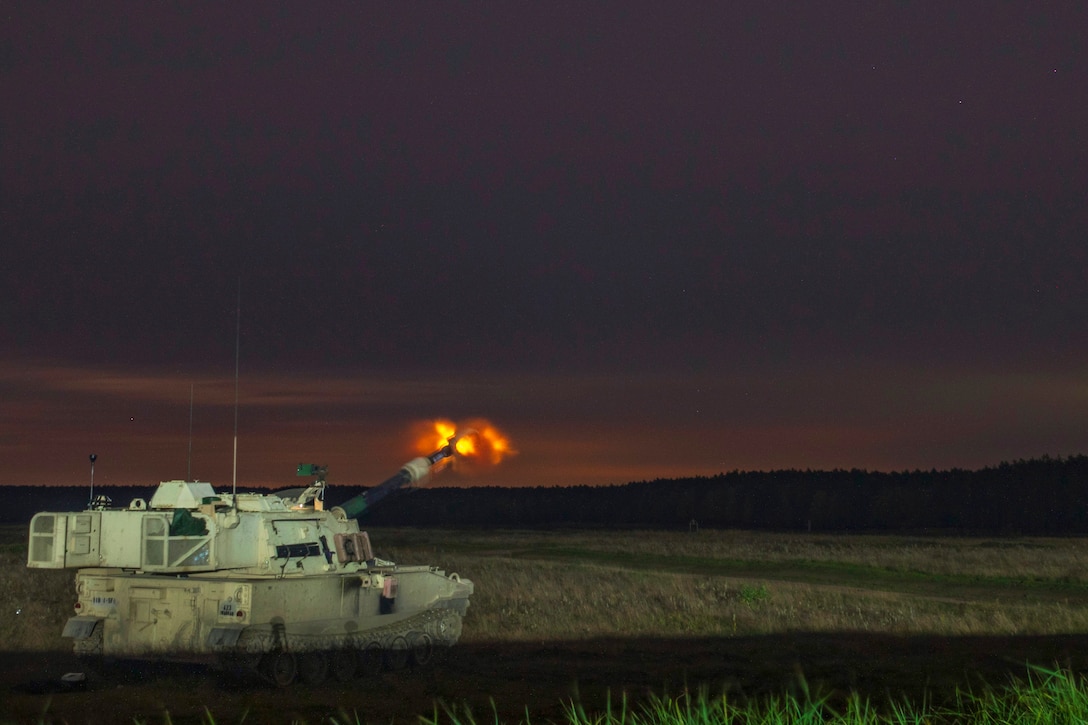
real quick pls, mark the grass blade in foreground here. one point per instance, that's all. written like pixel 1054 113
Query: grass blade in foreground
pixel 1046 696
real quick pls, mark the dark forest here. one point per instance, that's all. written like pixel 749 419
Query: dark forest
pixel 1044 496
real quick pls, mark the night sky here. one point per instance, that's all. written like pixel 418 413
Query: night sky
pixel 643 240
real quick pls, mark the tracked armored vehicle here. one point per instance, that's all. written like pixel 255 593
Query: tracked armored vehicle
pixel 269 583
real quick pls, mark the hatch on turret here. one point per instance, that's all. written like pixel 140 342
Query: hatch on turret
pixel 181 494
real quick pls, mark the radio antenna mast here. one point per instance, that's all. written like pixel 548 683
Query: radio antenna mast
pixel 237 345
pixel 189 472
pixel 93 457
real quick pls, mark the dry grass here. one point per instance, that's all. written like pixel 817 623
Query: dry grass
pixel 520 601
pixel 1041 558
pixel 34 605
pixel 547 586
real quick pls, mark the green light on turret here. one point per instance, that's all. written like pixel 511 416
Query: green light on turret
pixel 313 469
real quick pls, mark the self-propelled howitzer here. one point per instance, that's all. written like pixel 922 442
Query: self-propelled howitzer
pixel 268 582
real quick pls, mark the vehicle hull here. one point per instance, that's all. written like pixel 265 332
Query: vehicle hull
pixel 216 616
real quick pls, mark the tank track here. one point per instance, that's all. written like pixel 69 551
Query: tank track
pixel 443 626
pixel 276 657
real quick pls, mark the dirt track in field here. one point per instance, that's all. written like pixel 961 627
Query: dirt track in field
pixel 542 677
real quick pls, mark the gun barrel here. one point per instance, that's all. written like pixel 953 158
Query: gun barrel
pixel 414 471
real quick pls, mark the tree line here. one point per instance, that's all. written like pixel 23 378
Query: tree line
pixel 1038 496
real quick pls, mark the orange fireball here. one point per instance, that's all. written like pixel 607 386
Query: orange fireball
pixel 476 441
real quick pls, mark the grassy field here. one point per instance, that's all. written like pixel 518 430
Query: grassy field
pixel 633 611
pixel 547 585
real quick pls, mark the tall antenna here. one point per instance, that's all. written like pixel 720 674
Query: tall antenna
pixel 237 345
pixel 189 473
pixel 93 458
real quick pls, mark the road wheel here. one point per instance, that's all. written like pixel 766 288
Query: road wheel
pixel 343 665
pixel 370 660
pixel 313 668
pixel 422 648
pixel 237 669
pixel 280 668
pixel 397 654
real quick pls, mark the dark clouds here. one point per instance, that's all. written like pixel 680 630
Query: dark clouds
pixel 482 193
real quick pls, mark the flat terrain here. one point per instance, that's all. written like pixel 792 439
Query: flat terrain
pixel 558 615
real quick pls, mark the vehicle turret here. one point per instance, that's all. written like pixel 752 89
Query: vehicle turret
pixel 188 527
